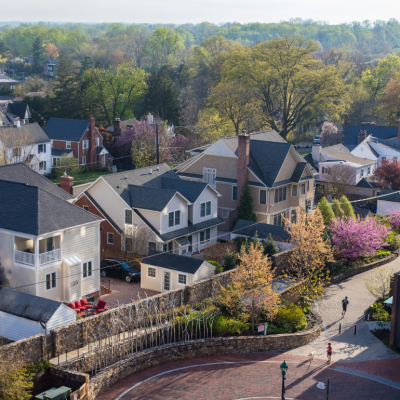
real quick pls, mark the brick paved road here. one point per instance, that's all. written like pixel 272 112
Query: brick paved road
pixel 246 377
pixel 348 347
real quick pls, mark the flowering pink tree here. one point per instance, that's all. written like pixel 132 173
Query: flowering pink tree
pixel 357 238
pixel 330 134
pixel 394 218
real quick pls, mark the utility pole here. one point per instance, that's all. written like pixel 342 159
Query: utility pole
pixel 158 154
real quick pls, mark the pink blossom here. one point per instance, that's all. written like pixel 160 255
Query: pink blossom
pixel 356 238
pixel 394 218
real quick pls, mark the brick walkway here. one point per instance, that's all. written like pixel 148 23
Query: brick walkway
pixel 246 377
pixel 347 347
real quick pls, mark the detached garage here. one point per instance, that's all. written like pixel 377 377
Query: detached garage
pixel 23 315
pixel 166 271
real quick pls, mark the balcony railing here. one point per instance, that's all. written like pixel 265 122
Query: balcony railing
pixel 24 258
pixel 50 256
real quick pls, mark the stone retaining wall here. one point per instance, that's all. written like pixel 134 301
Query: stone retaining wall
pixel 29 350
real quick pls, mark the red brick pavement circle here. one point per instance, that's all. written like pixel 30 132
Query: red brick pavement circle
pixel 246 377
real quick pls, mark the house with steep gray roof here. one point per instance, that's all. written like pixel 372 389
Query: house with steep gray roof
pixel 49 246
pixel 280 179
pixel 154 209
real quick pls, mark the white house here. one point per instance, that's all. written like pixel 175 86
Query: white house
pixel 165 271
pixel 390 201
pixel 23 315
pixel 48 246
pixel 26 143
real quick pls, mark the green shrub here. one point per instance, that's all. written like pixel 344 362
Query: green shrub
pixel 292 317
pixel 380 254
pixel 218 268
pixel 306 310
pixel 230 260
pixel 225 326
pixel 274 330
pixel 396 241
pixel 270 246
pixel 380 315
pixel 37 367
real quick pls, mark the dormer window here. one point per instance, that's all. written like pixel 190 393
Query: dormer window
pixel 174 218
pixel 205 209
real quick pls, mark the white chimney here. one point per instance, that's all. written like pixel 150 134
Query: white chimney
pixel 316 153
pixel 151 171
pixel 150 119
pixel 17 122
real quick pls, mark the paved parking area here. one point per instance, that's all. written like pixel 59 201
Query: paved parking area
pixel 123 292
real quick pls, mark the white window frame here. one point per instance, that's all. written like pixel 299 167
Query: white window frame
pixel 42 165
pixel 97 142
pixel 206 176
pixel 68 145
pixel 155 272
pixel 131 211
pixel 174 219
pixel 202 243
pixel 55 161
pixel 86 208
pixel 87 271
pixel 108 236
pixel 45 283
pixel 85 144
pixel 177 278
pixel 43 145
pixel 362 172
pixel 205 209
pixel 285 214
pixel 259 196
pixel 234 186
pixel 83 158
pixel 225 210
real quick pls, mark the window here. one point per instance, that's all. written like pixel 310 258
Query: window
pixel 168 247
pixel 303 188
pixel 42 165
pixel 55 161
pixel 294 190
pixel 263 196
pixel 362 172
pixel 97 142
pixel 293 217
pixel 87 269
pixel 234 193
pixel 325 170
pixel 51 281
pixel 308 186
pixel 83 160
pixel 205 209
pixel 68 145
pixel 110 238
pixel 209 175
pixel 278 218
pixel 225 213
pixel 174 218
pixel 182 279
pixel 86 208
pixel 151 272
pixel 280 194
pixel 128 217
pixel 205 236
pixel 152 246
pixel 42 148
pixel 369 170
pixel 85 144
pixel 16 152
pixel 129 245
pixel 383 158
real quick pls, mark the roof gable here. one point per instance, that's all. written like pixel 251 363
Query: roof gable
pixel 147 198
pixel 30 134
pixel 66 129
pixel 219 148
pixel 381 132
pixel 189 189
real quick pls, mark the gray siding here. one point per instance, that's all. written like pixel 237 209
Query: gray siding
pixel 154 217
pixel 17 328
pixel 64 315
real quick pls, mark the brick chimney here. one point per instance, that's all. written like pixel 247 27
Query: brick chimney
pixel 66 183
pixel 346 117
pixel 117 127
pixel 92 142
pixel 361 136
pixel 372 124
pixel 398 129
pixel 243 162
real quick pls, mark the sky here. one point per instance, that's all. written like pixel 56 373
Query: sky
pixel 195 11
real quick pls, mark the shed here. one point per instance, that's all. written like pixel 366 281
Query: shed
pixel 166 271
pixel 23 315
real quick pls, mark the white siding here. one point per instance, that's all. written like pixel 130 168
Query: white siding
pixel 206 270
pixel 207 195
pixel 154 217
pixel 220 149
pixel 213 237
pixel 78 189
pixel 17 328
pixel 384 206
pixel 64 315
pixel 364 152
pixel 385 152
pixel 148 282
pixel 75 282
pixel 177 203
pixel 57 293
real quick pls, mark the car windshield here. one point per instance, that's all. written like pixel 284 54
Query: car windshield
pixel 127 265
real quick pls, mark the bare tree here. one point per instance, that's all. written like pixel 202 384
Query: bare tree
pixel 137 238
pixel 339 180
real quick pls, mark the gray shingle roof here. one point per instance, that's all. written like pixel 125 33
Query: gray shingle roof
pixel 147 198
pixel 29 133
pixel 28 306
pixel 185 264
pixel 20 172
pixel 66 129
pixel 31 210
pixel 249 228
pixel 60 152
pixel 380 132
pixel 391 195
pixel 190 190
pixel 367 184
pixel 21 110
pixel 336 148
pixel 298 171
pixel 351 158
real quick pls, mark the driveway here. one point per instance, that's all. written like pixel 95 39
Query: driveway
pixel 123 292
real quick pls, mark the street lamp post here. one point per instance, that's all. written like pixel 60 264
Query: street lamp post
pixel 284 368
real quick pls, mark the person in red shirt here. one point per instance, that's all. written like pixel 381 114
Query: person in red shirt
pixel 329 352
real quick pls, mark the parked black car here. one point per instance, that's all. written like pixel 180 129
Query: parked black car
pixel 119 268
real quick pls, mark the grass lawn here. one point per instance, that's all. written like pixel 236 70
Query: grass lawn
pixel 304 152
pixel 83 177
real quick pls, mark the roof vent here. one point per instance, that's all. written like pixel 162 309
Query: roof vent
pixel 158 168
pixel 151 171
pixel 118 187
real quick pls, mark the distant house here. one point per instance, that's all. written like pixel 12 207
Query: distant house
pixel 262 231
pixel 119 126
pixel 50 67
pixel 165 271
pixel 6 81
pixel 23 315
pixel 13 112
pixel 389 201
pixel 80 136
pixel 321 154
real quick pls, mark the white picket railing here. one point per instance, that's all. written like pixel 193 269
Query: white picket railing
pixel 24 258
pixel 50 256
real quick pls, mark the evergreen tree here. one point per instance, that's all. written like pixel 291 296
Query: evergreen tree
pixel 270 246
pixel 4 49
pixel 245 209
pixel 66 95
pixel 326 211
pixel 86 64
pixel 339 213
pixel 347 207
pixel 39 53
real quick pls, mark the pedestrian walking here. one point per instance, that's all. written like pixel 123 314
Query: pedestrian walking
pixel 345 303
pixel 329 353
